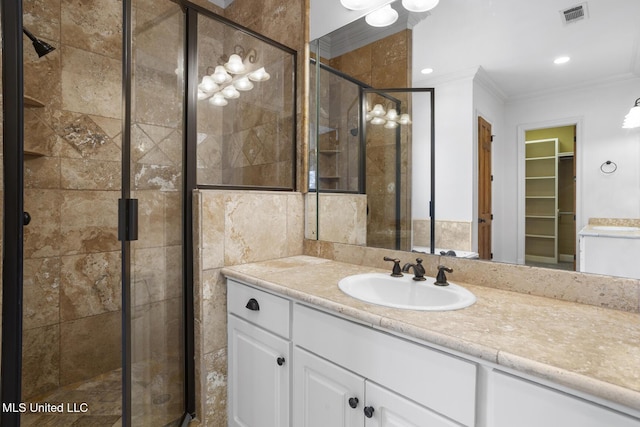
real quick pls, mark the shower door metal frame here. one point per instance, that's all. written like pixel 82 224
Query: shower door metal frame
pixel 13 212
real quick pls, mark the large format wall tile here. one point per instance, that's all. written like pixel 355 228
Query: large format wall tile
pixel 91 83
pixel 42 237
pixel 93 25
pixel 85 352
pixel 90 285
pixel 82 231
pixel 41 287
pixel 40 360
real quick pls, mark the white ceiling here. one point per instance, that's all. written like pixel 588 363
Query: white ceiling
pixel 516 41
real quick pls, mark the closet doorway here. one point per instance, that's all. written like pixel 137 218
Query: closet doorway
pixel 550 197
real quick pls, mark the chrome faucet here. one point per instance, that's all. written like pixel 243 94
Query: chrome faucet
pixel 418 270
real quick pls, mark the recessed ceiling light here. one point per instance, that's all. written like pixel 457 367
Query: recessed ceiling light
pixel 426 70
pixel 561 60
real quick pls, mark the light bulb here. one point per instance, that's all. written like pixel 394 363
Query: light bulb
pixel 235 65
pixel 208 84
pixel 392 114
pixel 218 100
pixel 382 17
pixel 405 119
pixel 419 5
pixel 259 75
pixel 391 124
pixel 355 4
pixel 202 95
pixel 220 75
pixel 378 121
pixel 377 111
pixel 243 84
pixel 230 92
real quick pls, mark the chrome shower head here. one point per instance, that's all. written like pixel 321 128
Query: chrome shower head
pixel 41 47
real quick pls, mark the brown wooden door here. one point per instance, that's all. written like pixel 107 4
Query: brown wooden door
pixel 484 189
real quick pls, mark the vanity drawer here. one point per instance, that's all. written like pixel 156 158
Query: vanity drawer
pixel 443 383
pixel 266 310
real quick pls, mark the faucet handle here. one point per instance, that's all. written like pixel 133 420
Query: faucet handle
pixel 396 272
pixel 441 278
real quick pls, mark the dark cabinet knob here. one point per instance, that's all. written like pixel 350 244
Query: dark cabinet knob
pixel 280 361
pixel 368 411
pixel 253 305
pixel 353 402
pixel 26 218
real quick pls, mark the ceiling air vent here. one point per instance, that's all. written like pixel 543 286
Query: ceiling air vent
pixel 574 14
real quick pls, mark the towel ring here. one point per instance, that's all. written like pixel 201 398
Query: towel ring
pixel 608 167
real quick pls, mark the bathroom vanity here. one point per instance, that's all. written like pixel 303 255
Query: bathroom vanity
pixel 303 354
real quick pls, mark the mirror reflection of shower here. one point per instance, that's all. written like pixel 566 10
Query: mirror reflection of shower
pixel 41 47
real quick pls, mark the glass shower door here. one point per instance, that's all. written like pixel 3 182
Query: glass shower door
pixel 157 182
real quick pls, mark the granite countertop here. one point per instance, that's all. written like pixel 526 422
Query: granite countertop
pixel 587 348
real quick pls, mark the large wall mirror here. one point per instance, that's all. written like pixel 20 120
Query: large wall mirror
pixel 528 152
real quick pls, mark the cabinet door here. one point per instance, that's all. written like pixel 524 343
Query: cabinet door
pixel 325 394
pixel 517 402
pixel 258 376
pixel 388 409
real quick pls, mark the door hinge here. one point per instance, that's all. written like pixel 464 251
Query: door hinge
pixel 127 219
pixel 491 178
pixel 491 255
pixel 491 217
pixel 492 138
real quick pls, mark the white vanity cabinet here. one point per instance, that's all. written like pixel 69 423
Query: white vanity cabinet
pixel 326 394
pixel 259 350
pixel 397 382
pixel 518 402
pixel 292 365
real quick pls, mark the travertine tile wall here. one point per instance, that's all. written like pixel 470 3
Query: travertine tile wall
pixel 232 228
pixel 72 284
pixel 250 141
pixel 449 234
pixel 385 63
pixel 342 217
pixel 241 226
pixel 72 254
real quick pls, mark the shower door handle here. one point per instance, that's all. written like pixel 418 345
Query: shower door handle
pixel 26 218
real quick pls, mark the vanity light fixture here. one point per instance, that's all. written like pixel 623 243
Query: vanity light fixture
pixel 382 17
pixel 419 5
pixel 386 15
pixel 390 118
pixel 355 4
pixel 632 119
pixel 235 73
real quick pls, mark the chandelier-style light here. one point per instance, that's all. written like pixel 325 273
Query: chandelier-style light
pixel 390 119
pixel 632 119
pixel 385 15
pixel 236 74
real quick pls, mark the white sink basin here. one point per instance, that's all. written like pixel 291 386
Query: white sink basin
pixel 404 292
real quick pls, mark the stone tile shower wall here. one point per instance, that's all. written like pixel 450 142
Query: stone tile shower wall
pixel 72 320
pixel 224 220
pixel 249 141
pixel 385 63
pixel 72 254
